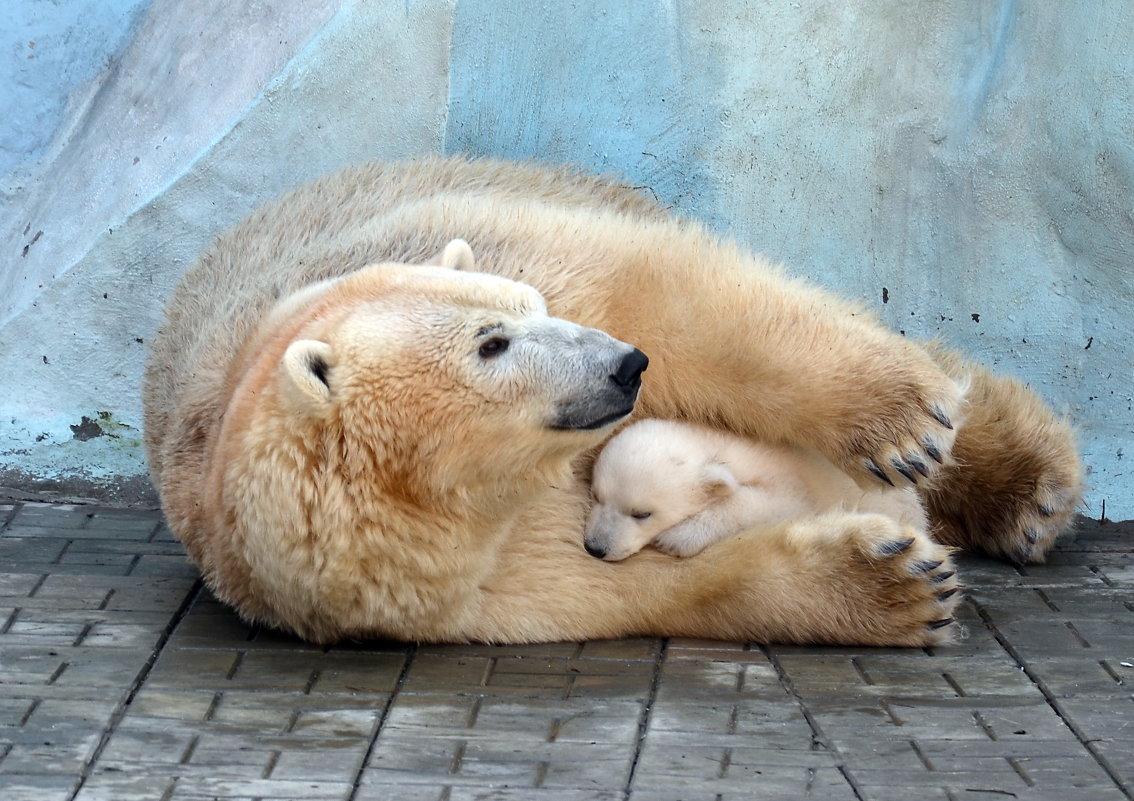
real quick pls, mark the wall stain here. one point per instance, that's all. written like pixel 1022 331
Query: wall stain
pixel 87 429
pixel 104 426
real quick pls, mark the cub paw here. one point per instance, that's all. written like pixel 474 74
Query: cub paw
pixel 684 539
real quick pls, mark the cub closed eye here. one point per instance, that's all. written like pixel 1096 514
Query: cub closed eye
pixel 492 347
pixel 641 515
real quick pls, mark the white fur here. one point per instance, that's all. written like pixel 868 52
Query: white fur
pixel 683 487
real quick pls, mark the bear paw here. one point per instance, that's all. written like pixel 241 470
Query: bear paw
pixel 1017 518
pixel 1040 519
pixel 675 544
pixel 1018 478
pixel 909 435
pixel 897 584
pixel 689 537
pixel 1030 518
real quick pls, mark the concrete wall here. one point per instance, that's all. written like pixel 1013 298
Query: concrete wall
pixel 963 166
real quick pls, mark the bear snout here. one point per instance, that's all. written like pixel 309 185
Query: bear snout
pixel 599 382
pixel 628 376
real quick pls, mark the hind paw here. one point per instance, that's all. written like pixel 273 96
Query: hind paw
pixel 1018 477
pixel 1031 532
pixel 878 582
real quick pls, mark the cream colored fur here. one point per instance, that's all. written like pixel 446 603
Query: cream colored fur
pixel 682 487
pixel 334 458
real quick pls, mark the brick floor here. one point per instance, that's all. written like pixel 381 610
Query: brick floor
pixel 122 679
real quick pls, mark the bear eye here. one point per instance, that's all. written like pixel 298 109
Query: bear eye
pixel 641 515
pixel 492 347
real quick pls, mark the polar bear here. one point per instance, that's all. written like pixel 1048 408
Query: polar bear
pixel 682 487
pixel 353 442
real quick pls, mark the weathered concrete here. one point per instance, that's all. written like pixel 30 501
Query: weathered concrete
pixel 54 54
pixel 123 680
pixel 965 168
pixel 78 341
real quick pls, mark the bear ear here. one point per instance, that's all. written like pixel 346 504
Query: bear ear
pixel 306 366
pixel 457 255
pixel 718 481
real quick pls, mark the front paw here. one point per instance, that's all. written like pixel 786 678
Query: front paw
pixel 908 438
pixel 679 541
pixel 915 575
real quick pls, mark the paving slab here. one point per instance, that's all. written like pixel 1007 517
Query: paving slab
pixel 122 678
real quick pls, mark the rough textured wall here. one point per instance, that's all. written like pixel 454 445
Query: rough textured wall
pixel 963 166
pixel 52 57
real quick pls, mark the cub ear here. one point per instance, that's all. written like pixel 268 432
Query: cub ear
pixel 306 365
pixel 718 481
pixel 457 255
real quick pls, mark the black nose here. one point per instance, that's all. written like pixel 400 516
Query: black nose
pixel 630 369
pixel 594 550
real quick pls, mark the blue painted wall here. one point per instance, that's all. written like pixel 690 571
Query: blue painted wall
pixel 610 87
pixel 964 167
pixel 50 55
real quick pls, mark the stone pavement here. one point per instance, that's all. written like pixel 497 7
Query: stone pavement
pixel 122 679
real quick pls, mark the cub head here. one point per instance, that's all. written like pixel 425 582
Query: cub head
pixel 430 380
pixel 646 480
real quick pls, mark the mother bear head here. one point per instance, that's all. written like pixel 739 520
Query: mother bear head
pixel 398 393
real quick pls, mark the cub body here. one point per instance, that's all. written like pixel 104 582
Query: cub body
pixel 683 487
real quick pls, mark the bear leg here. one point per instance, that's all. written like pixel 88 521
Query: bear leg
pixel 841 579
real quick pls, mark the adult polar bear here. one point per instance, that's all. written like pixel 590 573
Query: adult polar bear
pixel 350 446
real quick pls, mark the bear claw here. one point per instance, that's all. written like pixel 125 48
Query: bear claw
pixel 933 451
pixel 904 469
pixel 873 467
pixel 894 548
pixel 918 465
pixel 913 578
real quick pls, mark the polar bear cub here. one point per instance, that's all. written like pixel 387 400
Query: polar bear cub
pixel 682 487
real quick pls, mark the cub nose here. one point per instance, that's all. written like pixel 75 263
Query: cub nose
pixel 597 551
pixel 628 376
